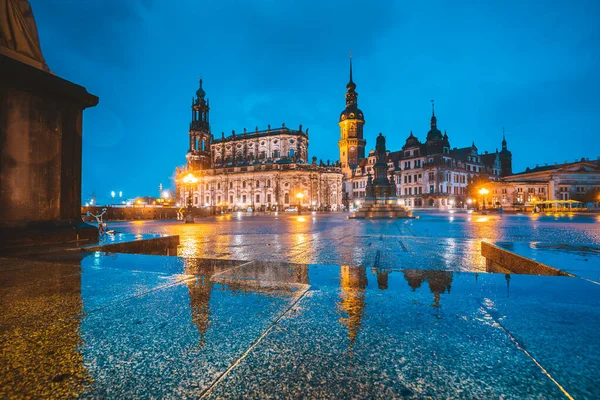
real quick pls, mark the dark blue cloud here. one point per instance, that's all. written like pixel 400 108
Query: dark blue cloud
pixel 528 66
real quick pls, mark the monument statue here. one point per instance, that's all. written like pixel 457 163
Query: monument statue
pixel 18 34
pixel 381 201
pixel 101 224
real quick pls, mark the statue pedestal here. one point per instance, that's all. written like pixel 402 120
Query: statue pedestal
pixel 40 156
pixel 189 217
pixel 381 209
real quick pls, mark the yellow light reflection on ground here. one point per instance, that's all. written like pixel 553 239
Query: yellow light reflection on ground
pixel 301 219
pixel 482 219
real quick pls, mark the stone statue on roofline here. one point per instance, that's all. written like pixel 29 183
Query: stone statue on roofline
pixel 18 34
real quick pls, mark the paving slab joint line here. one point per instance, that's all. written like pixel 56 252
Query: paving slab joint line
pixel 264 334
pixel 184 278
pixel 516 342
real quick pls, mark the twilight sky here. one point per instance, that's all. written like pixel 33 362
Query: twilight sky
pixel 530 66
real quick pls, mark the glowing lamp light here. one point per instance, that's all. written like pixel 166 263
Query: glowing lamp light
pixel 469 201
pixel 189 178
pixel 483 191
pixel 300 196
pixel 166 194
pixel 112 194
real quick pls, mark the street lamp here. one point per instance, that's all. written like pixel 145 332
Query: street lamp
pixel 483 192
pixel 189 180
pixel 299 196
pixel 112 194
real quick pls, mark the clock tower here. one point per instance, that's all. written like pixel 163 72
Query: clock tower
pixel 351 144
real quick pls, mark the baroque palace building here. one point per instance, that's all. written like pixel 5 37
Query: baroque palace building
pixel 262 170
pixel 427 174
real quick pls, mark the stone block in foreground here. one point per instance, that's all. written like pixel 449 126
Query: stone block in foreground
pixel 40 156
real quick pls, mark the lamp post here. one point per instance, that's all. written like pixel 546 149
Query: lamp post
pixel 112 194
pixel 299 196
pixel 189 181
pixel 483 192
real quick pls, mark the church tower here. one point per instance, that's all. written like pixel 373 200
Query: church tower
pixel 505 158
pixel 351 144
pixel 198 156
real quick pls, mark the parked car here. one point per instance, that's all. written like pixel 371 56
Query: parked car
pixel 291 209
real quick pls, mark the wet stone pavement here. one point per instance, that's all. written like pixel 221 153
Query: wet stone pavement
pixel 253 309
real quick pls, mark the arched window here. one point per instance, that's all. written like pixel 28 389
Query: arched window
pixel 230 185
pixel 291 153
pixel 269 183
pixel 286 198
pixel 244 184
pixel 257 184
pixel 219 185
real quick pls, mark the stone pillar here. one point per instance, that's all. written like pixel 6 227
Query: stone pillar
pixel 40 156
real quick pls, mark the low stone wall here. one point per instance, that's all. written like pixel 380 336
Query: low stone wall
pixel 504 261
pixel 135 213
pixel 166 246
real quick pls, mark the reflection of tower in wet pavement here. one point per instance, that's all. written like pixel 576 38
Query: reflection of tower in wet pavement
pixel 353 283
pixel 382 277
pixel 199 291
pixel 439 282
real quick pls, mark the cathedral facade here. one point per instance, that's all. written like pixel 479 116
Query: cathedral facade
pixel 428 174
pixel 259 170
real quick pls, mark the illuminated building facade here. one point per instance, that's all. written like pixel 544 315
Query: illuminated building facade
pixel 427 174
pixel 568 181
pixel 262 170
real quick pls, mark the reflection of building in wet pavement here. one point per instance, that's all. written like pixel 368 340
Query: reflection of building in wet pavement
pixel 39 353
pixel 439 282
pixel 353 283
pixel 254 277
pixel 382 277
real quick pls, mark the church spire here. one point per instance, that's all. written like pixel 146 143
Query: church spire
pixel 200 92
pixel 351 85
pixel 351 67
pixel 503 139
pixel 433 118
